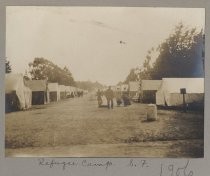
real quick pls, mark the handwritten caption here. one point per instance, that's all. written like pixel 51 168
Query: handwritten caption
pixel 163 169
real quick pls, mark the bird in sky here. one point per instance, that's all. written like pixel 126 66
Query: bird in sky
pixel 122 42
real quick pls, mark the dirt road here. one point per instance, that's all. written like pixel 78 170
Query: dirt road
pixel 77 127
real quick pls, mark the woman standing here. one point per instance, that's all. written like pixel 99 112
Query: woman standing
pixel 99 98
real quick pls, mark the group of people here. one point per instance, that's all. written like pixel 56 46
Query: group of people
pixel 110 95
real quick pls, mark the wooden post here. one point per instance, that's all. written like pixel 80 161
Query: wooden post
pixel 183 92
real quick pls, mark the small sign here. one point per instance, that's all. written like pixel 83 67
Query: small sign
pixel 183 90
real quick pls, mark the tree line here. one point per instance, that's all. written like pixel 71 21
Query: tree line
pixel 180 55
pixel 43 69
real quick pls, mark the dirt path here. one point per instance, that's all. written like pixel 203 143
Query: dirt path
pixel 76 127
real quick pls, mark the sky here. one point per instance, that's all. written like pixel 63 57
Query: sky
pixel 96 43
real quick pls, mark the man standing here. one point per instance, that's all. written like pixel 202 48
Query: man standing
pixel 109 97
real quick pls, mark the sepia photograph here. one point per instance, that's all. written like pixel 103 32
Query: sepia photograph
pixel 104 81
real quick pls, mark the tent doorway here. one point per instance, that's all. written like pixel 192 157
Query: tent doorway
pixel 11 102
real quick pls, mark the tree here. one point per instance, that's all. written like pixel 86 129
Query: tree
pixel 8 68
pixel 132 76
pixel 143 73
pixel 42 68
pixel 67 77
pixel 26 76
pixel 180 55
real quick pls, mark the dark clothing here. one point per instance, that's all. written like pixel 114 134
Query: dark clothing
pixel 119 101
pixel 109 97
pixel 126 100
pixel 109 94
pixel 110 103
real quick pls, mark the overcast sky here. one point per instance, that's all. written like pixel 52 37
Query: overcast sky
pixel 87 39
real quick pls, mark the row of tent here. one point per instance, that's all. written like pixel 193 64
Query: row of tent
pixel 22 94
pixel 166 92
pixel 57 92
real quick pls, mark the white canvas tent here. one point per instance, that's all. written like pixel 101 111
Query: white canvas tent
pixel 73 91
pixel 69 92
pixel 54 91
pixel 134 86
pixel 68 89
pixel 16 93
pixel 169 92
pixel 151 84
pixel 40 92
pixel 62 90
pixel 149 89
pixel 28 97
